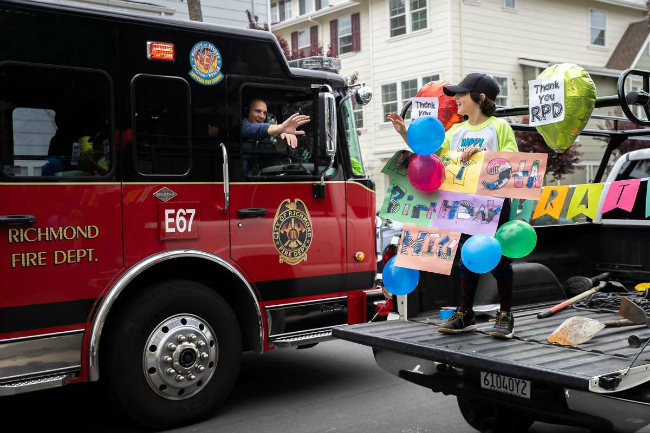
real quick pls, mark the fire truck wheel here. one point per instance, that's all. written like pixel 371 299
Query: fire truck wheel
pixel 171 354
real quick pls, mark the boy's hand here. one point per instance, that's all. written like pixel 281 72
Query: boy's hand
pixel 398 123
pixel 468 152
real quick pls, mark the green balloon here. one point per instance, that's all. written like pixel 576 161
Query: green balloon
pixel 517 239
pixel 579 102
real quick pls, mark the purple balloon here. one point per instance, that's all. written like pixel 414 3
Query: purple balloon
pixel 426 172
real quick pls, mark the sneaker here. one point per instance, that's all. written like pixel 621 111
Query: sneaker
pixel 460 321
pixel 504 326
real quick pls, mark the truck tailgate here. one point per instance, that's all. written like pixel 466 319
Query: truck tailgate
pixel 528 355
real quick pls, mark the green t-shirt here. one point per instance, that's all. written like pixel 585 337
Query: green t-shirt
pixel 493 135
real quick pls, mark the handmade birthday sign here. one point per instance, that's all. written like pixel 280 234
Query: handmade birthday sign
pixel 468 213
pixel 512 174
pixel 406 204
pixel 427 249
pixel 397 164
pixel 461 176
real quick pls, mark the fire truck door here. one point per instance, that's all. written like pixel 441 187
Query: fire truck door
pixel 60 210
pixel 291 244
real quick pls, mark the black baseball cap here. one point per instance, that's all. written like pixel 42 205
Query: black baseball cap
pixel 477 82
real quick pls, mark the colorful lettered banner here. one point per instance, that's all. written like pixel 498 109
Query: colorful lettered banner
pixel 512 174
pixel 551 201
pixel 406 204
pixel 427 249
pixel 522 209
pixel 577 206
pixel 647 200
pixel 468 213
pixel 621 194
pixel 461 176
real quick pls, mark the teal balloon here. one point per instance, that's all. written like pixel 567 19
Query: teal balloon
pixel 397 280
pixel 517 239
pixel 425 135
pixel 481 253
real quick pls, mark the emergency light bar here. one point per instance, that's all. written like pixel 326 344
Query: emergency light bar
pixel 160 51
pixel 318 63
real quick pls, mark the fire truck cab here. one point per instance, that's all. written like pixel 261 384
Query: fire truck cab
pixel 147 239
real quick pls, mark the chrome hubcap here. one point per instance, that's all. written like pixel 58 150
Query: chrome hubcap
pixel 180 356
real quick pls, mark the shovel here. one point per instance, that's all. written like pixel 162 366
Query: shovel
pixel 579 330
pixel 633 312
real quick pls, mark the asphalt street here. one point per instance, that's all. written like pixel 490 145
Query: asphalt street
pixel 333 387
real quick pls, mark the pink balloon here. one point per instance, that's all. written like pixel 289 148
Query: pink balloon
pixel 426 172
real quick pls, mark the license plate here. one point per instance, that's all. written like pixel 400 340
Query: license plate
pixel 506 385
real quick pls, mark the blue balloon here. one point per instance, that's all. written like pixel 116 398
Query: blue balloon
pixel 399 281
pixel 481 253
pixel 425 135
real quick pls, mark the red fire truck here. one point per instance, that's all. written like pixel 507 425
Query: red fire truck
pixel 146 242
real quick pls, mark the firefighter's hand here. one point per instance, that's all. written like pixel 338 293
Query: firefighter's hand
pixel 292 140
pixel 295 121
pixel 468 152
pixel 213 131
pixel 398 124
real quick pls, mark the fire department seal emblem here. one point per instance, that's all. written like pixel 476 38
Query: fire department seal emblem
pixel 292 231
pixel 205 60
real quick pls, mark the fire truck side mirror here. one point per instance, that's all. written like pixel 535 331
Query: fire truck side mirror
pixel 327 123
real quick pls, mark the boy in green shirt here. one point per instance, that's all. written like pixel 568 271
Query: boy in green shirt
pixel 475 96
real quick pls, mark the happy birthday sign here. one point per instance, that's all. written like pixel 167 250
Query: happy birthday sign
pixel 468 213
pixel 427 249
pixel 512 174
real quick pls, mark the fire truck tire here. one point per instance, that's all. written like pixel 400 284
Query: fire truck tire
pixel 171 355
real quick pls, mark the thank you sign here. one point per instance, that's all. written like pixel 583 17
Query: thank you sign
pixel 546 101
pixel 424 107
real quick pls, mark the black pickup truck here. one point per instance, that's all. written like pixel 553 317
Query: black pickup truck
pixel 506 385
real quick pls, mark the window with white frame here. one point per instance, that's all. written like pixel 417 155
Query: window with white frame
pixel 389 99
pixel 597 27
pixel 345 34
pixel 407 16
pixel 430 78
pixel 358 114
pixel 509 4
pixel 406 89
pixel 418 14
pixel 409 88
pixel 304 41
pixel 275 18
pixel 286 10
pixel 502 99
pixel 307 6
